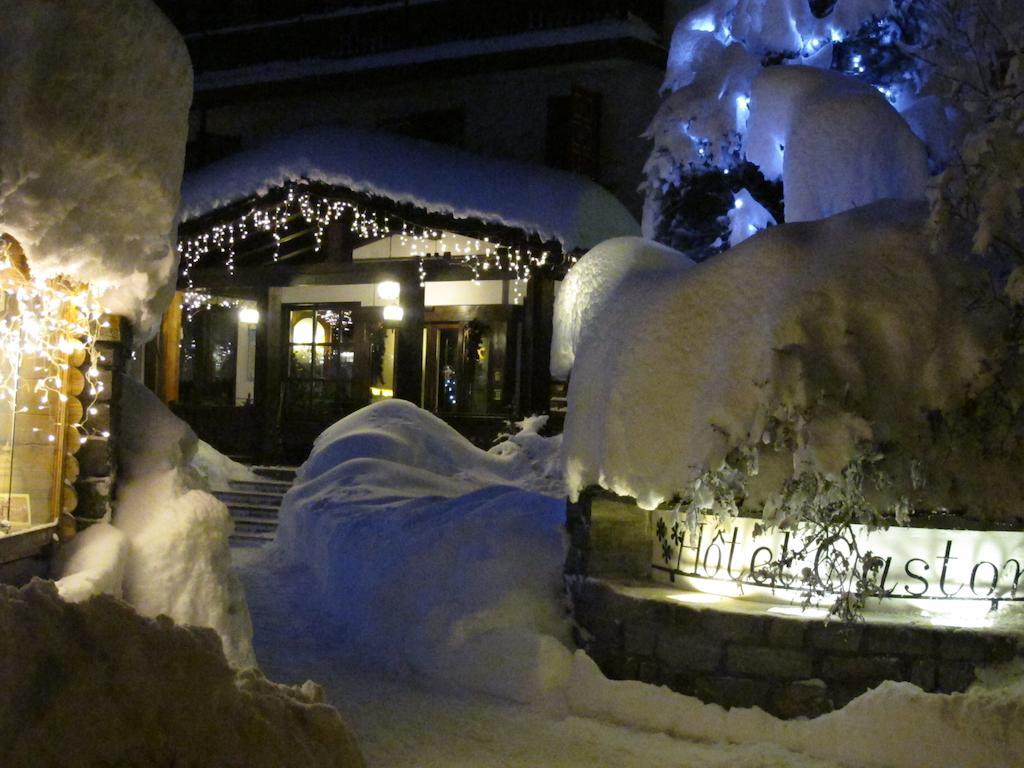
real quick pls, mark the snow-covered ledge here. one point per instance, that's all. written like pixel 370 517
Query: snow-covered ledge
pixel 704 626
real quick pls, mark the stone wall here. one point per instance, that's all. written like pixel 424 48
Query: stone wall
pixel 741 656
pixel 789 666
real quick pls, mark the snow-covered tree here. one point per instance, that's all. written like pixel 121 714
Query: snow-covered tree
pixel 975 53
pixel 702 162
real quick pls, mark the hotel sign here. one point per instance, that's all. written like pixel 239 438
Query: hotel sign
pixel 916 563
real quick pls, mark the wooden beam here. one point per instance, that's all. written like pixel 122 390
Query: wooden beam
pixel 168 368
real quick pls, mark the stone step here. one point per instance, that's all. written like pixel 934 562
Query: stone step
pixel 286 474
pixel 253 510
pixel 261 486
pixel 240 498
pixel 251 538
pixel 255 523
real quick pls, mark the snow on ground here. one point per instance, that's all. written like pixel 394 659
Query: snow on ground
pixel 167 550
pixel 848 331
pixel 95 684
pixel 92 145
pixel 217 470
pixel 402 565
pixel 554 204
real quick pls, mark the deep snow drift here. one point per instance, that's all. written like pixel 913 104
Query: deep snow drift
pixel 94 99
pixel 95 684
pixel 428 553
pixel 808 340
pixel 167 551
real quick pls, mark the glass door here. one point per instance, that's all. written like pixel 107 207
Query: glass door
pixel 321 358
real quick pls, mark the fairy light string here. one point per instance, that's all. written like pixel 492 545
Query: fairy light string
pixel 479 255
pixel 49 324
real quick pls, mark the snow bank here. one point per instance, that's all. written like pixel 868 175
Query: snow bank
pixel 92 563
pixel 167 551
pixel 835 142
pixel 95 100
pixel 895 725
pixel 430 556
pixel 217 470
pixel 593 281
pixel 96 684
pixel 848 328
pixel 551 203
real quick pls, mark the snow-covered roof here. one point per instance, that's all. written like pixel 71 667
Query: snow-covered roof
pixel 552 204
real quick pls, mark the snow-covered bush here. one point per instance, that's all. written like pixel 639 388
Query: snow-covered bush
pixel 94 684
pixel 812 344
pixel 167 550
pixel 95 98
pixel 592 282
pixel 976 50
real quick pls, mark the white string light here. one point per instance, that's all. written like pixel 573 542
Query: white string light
pixel 48 320
pixel 320 212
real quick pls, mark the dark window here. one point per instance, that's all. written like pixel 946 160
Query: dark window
pixel 443 126
pixel 573 135
pixel 208 357
pixel 207 148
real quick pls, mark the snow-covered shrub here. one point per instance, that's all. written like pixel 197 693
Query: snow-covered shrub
pixel 95 99
pixel 167 551
pixel 94 684
pixel 849 330
pixel 592 282
pixel 834 141
pixel 977 53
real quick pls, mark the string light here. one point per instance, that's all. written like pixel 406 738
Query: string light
pixel 319 212
pixel 47 320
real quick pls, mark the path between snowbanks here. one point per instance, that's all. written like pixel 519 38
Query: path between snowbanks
pixel 423 558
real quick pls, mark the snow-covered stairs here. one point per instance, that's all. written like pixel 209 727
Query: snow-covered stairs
pixel 254 504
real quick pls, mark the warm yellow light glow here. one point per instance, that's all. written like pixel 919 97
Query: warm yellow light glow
pixel 696 598
pixel 302 332
pixel 389 290
pixel 381 392
pixel 393 313
pixel 249 315
pixel 796 610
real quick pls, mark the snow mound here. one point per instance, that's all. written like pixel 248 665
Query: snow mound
pixel 217 470
pixel 593 281
pixel 433 557
pixel 168 551
pixel 835 142
pixel 892 726
pixel 150 693
pixel 95 102
pixel 849 320
pixel 553 204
